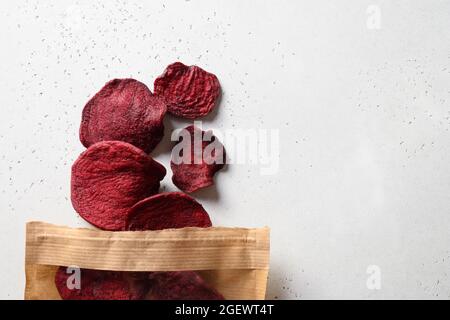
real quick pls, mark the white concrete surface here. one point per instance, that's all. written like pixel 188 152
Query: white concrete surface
pixel 359 91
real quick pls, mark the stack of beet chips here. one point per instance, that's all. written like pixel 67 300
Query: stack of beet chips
pixel 115 182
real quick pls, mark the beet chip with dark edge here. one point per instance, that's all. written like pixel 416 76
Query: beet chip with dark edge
pixel 189 91
pixel 124 110
pixel 172 210
pixel 102 285
pixel 167 210
pixel 109 178
pixel 180 285
pixel 196 171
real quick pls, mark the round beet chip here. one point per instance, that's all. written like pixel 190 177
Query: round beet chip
pixel 109 178
pixel 196 158
pixel 124 110
pixel 167 210
pixel 189 91
pixel 180 285
pixel 101 285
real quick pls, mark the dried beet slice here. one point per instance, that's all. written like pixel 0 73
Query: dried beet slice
pixel 103 285
pixel 206 158
pixel 189 91
pixel 124 110
pixel 180 285
pixel 109 178
pixel 167 210
pixel 172 210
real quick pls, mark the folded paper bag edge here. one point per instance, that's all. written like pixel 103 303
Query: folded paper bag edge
pixel 202 248
pixel 37 227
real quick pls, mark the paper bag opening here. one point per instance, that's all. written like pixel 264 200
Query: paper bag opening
pixel 234 261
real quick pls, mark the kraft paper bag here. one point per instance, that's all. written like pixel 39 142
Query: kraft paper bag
pixel 235 261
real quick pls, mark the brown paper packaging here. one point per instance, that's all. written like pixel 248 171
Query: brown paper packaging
pixel 235 261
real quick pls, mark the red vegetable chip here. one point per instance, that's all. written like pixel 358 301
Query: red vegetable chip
pixel 124 110
pixel 194 161
pixel 109 178
pixel 167 210
pixel 180 285
pixel 102 285
pixel 189 91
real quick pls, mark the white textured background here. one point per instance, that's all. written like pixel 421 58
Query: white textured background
pixel 363 114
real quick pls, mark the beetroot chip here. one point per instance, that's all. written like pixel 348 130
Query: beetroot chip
pixel 102 285
pixel 180 285
pixel 124 110
pixel 167 210
pixel 109 178
pixel 172 210
pixel 194 161
pixel 189 91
